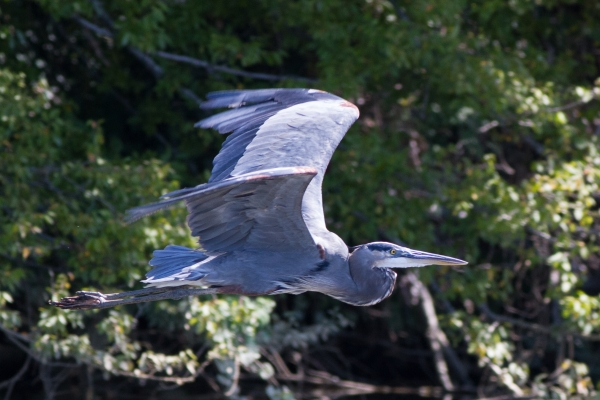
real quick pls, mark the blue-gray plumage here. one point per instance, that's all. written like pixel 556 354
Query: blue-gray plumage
pixel 259 219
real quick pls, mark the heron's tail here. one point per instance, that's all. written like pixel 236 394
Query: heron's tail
pixel 173 264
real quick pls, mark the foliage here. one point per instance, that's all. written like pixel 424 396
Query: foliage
pixel 478 139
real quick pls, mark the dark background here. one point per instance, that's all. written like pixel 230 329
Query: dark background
pixel 478 138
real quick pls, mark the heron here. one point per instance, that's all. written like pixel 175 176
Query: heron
pixel 259 219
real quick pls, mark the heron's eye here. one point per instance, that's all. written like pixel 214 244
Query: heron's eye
pixel 392 251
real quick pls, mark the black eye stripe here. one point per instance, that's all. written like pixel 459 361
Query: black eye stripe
pixel 379 247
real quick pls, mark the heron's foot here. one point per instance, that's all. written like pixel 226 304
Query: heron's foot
pixel 90 300
pixel 95 300
pixel 83 301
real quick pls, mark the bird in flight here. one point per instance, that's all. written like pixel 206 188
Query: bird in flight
pixel 259 218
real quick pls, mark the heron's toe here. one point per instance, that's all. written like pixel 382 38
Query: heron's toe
pixel 91 294
pixel 83 301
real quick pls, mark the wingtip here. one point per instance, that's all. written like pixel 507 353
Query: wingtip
pixel 132 216
pixel 137 213
pixel 212 104
pixel 350 105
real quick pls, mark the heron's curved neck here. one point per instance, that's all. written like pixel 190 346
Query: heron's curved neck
pixel 372 284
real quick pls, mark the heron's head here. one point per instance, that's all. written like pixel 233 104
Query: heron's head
pixel 389 255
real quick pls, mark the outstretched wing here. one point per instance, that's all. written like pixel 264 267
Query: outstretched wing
pixel 275 128
pixel 265 187
pixel 261 211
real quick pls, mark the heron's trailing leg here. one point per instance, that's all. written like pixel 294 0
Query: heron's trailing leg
pixel 96 300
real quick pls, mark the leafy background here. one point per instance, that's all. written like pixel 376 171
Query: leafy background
pixel 478 139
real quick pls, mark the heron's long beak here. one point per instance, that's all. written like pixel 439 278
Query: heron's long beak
pixel 415 258
pixel 434 259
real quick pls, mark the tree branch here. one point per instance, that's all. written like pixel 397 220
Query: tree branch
pixel 93 27
pixel 532 327
pixel 10 383
pixel 437 338
pixel 157 71
pixel 355 388
pixel 232 71
pixel 536 146
pixel 572 105
pixel 145 59
pixel 16 339
pixel 435 334
pixel 234 379
pixel 29 263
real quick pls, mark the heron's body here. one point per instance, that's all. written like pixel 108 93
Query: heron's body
pixel 325 270
pixel 259 219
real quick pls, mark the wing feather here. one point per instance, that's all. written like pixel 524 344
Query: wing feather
pixel 265 186
pixel 258 210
